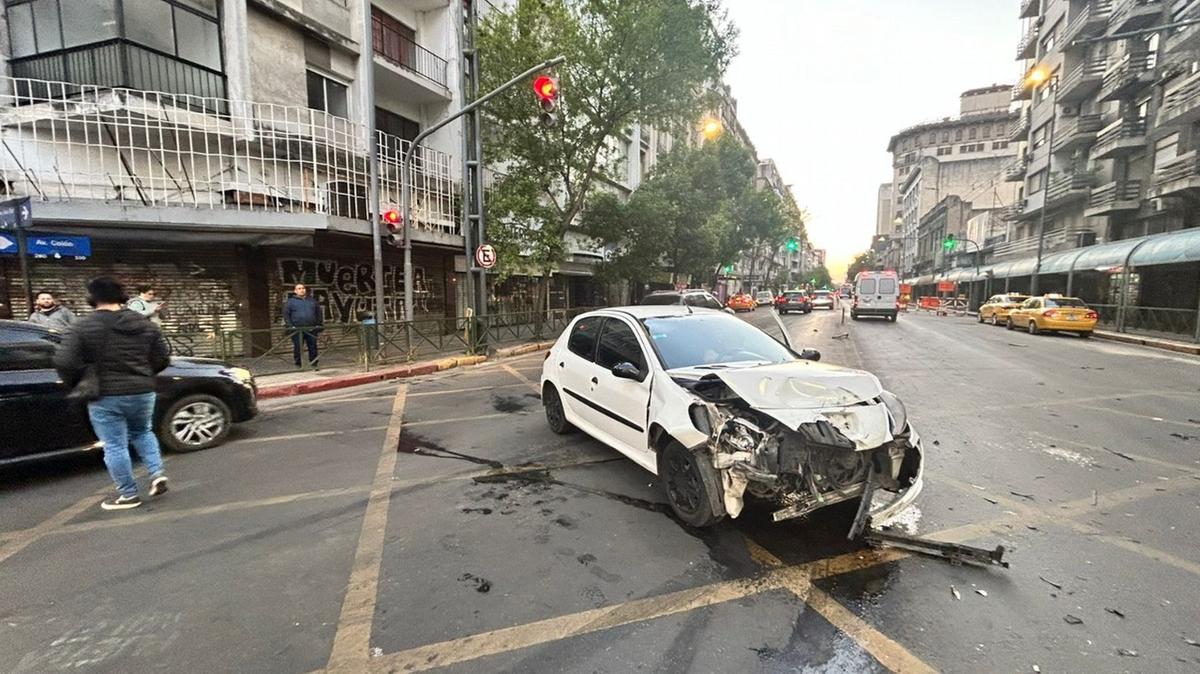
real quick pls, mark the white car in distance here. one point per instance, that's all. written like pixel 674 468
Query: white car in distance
pixel 717 408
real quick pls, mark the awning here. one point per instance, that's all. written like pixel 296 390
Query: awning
pixel 1106 255
pixel 1171 248
pixel 924 280
pixel 1059 263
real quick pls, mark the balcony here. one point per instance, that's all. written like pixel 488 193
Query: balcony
pixel 1083 80
pixel 1020 92
pixel 116 63
pixel 1187 37
pixel 1055 239
pixel 410 70
pixel 1088 23
pixel 99 153
pixel 1177 177
pixel 1115 197
pixel 1128 77
pixel 1068 187
pixel 1019 129
pixel 1121 138
pixel 1027 47
pixel 1029 9
pixel 1015 172
pixel 1076 133
pixel 1130 15
pixel 1180 104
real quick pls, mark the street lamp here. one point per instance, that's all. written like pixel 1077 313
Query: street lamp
pixel 711 128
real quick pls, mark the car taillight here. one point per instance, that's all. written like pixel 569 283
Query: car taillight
pixel 1092 314
pixel 1050 314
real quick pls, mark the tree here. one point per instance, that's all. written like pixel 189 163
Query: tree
pixel 862 262
pixel 819 277
pixel 628 61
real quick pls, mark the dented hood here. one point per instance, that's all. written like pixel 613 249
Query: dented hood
pixel 801 384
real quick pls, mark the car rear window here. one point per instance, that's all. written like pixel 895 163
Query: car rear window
pixel 887 286
pixel 866 286
pixel 583 337
pixel 660 299
pixel 1064 302
pixel 793 296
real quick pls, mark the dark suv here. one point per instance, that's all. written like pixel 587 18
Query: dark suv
pixel 691 298
pixel 199 400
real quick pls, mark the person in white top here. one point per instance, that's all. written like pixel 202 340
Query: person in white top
pixel 146 304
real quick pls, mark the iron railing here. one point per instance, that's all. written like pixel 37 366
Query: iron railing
pixel 401 50
pixel 1067 185
pixel 1027 47
pixel 1076 130
pixel 117 63
pixel 1089 22
pixel 1180 99
pixel 1016 170
pixel 368 345
pixel 1082 80
pixel 1133 130
pixel 1164 322
pixel 1184 166
pixel 1117 195
pixel 1128 76
pixel 1127 14
pixel 67 142
pixel 1020 126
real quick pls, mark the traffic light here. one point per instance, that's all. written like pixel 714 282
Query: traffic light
pixel 546 88
pixel 793 245
pixel 948 244
pixel 395 224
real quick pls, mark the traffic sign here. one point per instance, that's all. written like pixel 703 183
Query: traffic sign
pixel 485 256
pixel 16 213
pixel 945 286
pixel 44 246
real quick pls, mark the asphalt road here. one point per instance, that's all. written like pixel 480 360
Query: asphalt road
pixel 486 543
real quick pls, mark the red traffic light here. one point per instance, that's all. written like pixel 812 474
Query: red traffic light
pixel 391 217
pixel 545 87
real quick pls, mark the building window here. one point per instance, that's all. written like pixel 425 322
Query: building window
pixel 1037 182
pixel 1048 43
pixel 1165 150
pixel 1039 135
pixel 972 132
pixel 945 136
pixel 327 95
pixel 942 151
pixel 958 134
pixel 999 144
pixel 396 125
pixel 987 131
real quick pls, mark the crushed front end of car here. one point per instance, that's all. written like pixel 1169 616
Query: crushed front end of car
pixel 806 436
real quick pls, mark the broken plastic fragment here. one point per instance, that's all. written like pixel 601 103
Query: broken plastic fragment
pixel 982 593
pixel 1114 612
pixel 954 591
pixel 1127 652
pixel 1072 620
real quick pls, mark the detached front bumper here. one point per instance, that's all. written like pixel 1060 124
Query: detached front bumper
pixel 886 512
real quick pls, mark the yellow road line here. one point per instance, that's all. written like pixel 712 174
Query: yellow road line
pixel 352 641
pixel 451 420
pixel 522 377
pixel 296 436
pixel 469 389
pixel 22 539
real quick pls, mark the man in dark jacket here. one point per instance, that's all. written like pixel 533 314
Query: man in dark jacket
pixel 127 351
pixel 303 315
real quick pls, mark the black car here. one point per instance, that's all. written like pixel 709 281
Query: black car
pixel 199 400
pixel 793 300
pixel 692 297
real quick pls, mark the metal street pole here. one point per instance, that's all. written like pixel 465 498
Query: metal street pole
pixel 373 162
pixel 405 178
pixel 1037 269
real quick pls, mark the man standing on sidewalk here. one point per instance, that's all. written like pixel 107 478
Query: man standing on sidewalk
pixel 303 315
pixel 48 313
pixel 126 351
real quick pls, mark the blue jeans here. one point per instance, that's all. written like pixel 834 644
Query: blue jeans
pixel 121 421
pixel 310 342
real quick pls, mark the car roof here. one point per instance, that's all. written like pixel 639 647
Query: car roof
pixel 22 325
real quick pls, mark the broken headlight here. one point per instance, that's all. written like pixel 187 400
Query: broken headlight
pixel 897 410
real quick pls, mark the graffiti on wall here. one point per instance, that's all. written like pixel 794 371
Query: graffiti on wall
pixel 346 292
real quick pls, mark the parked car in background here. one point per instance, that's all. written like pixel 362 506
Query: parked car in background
pixel 995 309
pixel 876 293
pixel 742 302
pixel 822 299
pixel 793 300
pixel 1054 313
pixel 763 298
pixel 199 400
pixel 692 297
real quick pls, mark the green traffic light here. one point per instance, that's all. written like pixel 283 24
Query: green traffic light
pixel 949 243
pixel 792 246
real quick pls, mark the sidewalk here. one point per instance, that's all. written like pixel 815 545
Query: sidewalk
pixel 1152 342
pixel 329 379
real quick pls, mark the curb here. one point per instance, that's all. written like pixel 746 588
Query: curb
pixel 347 381
pixel 523 349
pixel 1148 342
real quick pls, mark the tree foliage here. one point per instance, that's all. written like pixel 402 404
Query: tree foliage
pixel 862 262
pixel 628 61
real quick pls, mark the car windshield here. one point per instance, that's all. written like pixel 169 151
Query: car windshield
pixel 660 299
pixel 1064 302
pixel 697 340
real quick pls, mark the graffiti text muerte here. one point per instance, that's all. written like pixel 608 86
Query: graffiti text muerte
pixel 346 290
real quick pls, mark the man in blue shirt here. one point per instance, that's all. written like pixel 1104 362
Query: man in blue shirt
pixel 302 313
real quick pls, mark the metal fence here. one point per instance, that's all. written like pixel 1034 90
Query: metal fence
pixel 1164 322
pixel 368 346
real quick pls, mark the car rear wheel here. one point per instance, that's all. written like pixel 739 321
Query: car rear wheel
pixel 892 317
pixel 195 422
pixel 556 416
pixel 1032 327
pixel 995 321
pixel 1085 335
pixel 1009 324
pixel 980 317
pixel 692 486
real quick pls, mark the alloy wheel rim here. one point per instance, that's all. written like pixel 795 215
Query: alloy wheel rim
pixel 197 423
pixel 682 484
pixel 554 410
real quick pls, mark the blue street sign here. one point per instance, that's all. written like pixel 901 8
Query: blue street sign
pixel 43 246
pixel 16 213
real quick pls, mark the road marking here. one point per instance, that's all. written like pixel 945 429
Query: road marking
pixel 295 436
pixel 352 641
pixel 1146 417
pixel 469 389
pixel 975 411
pixel 451 420
pixel 522 377
pixel 23 539
pixel 1102 452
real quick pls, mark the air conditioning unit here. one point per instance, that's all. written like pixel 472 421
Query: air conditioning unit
pixel 1085 239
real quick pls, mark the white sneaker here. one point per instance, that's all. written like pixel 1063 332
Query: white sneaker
pixel 158 486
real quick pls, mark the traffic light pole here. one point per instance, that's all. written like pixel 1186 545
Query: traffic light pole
pixel 405 177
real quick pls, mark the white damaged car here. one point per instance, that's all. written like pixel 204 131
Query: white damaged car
pixel 718 409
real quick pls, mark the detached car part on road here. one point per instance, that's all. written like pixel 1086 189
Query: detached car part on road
pixel 199 400
pixel 719 409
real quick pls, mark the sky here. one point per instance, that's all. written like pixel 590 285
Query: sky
pixel 822 85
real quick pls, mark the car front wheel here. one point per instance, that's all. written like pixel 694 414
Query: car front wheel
pixel 1010 325
pixel 556 417
pixel 692 486
pixel 195 422
pixel 994 320
pixel 1032 327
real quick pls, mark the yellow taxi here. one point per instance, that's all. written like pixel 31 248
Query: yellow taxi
pixel 742 302
pixel 1053 313
pixel 995 309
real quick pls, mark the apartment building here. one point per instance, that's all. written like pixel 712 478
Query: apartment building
pixel 884 212
pixel 963 156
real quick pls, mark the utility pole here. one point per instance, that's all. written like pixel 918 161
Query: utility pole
pixel 1037 269
pixel 472 143
pixel 368 80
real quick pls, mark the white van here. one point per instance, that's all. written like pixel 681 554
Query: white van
pixel 876 293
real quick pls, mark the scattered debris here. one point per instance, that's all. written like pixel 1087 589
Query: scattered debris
pixel 1037 670
pixel 1194 421
pixel 1057 586
pixel 956 553
pixel 844 335
pixel 1120 454
pixel 1026 496
pixel 937 443
pixel 1072 620
pixel 376 652
pixel 1019 346
pixel 1181 436
pixel 1114 612
pixel 981 593
pixel 482 585
pixel 1191 642
pixel 991 500
pixel 954 591
pixel 1127 652
pixel 1156 418
pixel 1031 527
pixel 1095 498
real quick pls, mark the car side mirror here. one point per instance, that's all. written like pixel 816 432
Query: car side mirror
pixel 810 354
pixel 729 311
pixel 627 371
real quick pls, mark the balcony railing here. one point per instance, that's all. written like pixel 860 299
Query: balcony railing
pixel 1029 9
pixel 1181 174
pixel 401 50
pixel 1076 132
pixel 116 64
pixel 1015 171
pixel 1027 47
pixel 1128 77
pixel 1083 79
pixel 1054 240
pixel 1133 14
pixel 1068 186
pixel 1114 197
pixel 1120 138
pixel 1181 104
pixel 1089 22
pixel 72 143
pixel 1186 37
pixel 1020 126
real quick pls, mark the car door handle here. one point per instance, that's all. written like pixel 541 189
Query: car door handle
pixel 595 381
